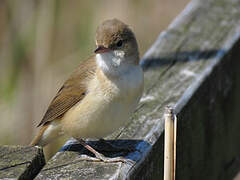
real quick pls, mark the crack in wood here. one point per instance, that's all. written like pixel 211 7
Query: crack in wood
pixel 19 164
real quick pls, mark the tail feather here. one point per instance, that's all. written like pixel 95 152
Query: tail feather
pixel 38 139
pixel 48 132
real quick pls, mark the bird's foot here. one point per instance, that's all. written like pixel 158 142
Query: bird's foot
pixel 105 159
pixel 101 158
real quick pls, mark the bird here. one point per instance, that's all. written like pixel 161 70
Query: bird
pixel 101 94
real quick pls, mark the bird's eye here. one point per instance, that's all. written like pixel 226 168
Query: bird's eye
pixel 119 43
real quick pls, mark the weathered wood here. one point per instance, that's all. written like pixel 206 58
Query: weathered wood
pixel 193 66
pixel 17 162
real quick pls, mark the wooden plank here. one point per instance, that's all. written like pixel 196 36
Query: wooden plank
pixel 192 66
pixel 18 162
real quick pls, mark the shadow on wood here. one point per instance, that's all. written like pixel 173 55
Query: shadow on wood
pixel 128 149
pixel 179 57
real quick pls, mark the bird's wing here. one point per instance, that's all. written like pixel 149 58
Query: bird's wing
pixel 73 90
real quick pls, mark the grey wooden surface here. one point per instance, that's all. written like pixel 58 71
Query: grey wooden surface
pixel 194 67
pixel 18 162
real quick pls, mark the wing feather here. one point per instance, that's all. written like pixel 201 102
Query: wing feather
pixel 73 90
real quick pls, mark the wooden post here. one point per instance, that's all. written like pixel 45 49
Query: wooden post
pixel 170 144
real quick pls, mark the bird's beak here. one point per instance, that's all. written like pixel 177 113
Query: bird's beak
pixel 101 49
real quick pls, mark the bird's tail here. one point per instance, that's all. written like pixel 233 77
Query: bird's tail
pixel 48 132
pixel 38 139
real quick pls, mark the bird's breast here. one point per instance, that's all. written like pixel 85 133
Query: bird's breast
pixel 107 106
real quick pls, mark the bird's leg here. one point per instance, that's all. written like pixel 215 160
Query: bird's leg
pixel 101 157
pixel 114 148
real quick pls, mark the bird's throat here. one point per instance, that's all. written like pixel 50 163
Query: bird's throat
pixel 112 63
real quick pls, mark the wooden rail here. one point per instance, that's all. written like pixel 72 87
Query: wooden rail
pixel 194 67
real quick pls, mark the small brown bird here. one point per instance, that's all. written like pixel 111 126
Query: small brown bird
pixel 101 93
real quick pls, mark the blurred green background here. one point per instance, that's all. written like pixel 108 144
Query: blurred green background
pixel 42 41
